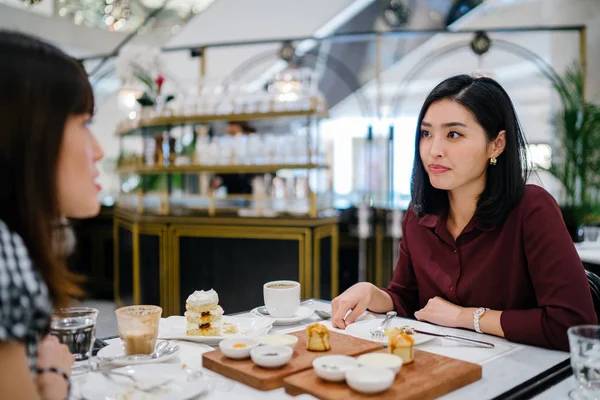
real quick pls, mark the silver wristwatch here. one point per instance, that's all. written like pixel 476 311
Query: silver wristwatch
pixel 477 314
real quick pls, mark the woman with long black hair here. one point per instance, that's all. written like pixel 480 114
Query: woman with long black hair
pixel 481 249
pixel 47 174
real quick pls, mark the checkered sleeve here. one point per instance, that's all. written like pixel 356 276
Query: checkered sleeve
pixel 19 286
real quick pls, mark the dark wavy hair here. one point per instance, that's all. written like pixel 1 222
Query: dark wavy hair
pixel 40 87
pixel 491 106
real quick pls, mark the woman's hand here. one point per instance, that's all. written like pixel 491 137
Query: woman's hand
pixel 441 312
pixel 356 298
pixel 51 353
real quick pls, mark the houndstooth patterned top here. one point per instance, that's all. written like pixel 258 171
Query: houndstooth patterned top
pixel 25 306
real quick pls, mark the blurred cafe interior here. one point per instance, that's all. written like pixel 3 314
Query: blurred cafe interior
pixel 249 141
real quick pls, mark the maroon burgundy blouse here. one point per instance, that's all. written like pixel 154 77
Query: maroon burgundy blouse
pixel 527 267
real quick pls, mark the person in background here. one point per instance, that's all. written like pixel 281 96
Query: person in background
pixel 235 128
pixel 481 249
pixel 48 172
pixel 236 183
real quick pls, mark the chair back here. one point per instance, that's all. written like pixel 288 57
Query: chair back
pixel 594 282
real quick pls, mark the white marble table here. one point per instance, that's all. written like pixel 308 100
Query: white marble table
pixel 504 367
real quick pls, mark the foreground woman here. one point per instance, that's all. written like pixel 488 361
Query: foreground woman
pixel 47 170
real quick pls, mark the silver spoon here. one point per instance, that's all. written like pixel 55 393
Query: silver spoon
pixel 165 353
pixel 263 310
pixel 321 313
pixel 155 354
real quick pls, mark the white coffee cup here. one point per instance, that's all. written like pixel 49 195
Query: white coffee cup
pixel 282 298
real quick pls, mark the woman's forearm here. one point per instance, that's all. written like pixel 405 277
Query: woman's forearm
pixel 380 301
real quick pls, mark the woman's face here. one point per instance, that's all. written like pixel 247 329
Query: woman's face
pixel 77 172
pixel 454 148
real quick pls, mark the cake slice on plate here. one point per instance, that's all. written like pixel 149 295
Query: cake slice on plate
pixel 203 314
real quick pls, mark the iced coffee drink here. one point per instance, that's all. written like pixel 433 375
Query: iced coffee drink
pixel 138 328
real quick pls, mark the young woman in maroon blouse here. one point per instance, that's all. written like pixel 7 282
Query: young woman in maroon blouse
pixel 480 249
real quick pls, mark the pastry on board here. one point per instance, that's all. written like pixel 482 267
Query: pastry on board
pixel 317 337
pixel 401 345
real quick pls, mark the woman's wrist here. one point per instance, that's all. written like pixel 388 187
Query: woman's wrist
pixel 466 318
pixel 53 383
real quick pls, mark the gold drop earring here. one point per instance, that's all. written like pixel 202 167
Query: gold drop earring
pixel 493 161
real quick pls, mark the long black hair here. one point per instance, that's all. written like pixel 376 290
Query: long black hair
pixel 40 87
pixel 491 106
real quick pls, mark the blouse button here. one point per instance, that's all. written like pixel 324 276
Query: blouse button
pixel 452 288
pixel 456 251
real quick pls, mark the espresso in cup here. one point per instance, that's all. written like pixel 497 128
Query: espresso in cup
pixel 282 298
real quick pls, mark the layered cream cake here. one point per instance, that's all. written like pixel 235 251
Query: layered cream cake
pixel 203 314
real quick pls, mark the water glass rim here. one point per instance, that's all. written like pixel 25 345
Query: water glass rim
pixel 75 310
pixel 152 308
pixel 573 331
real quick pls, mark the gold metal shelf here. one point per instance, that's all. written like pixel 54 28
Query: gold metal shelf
pixel 182 120
pixel 217 169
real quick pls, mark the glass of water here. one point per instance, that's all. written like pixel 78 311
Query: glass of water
pixel 76 328
pixel 584 342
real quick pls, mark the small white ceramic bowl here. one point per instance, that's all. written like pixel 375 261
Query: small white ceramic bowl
pixel 370 380
pixel 333 368
pixel 237 348
pixel 383 360
pixel 271 356
pixel 279 340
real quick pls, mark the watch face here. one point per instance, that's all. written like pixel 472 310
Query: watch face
pixel 479 311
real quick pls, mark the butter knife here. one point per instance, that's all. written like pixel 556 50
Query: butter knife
pixel 479 343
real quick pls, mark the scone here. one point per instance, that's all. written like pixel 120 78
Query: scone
pixel 401 345
pixel 317 338
pixel 203 314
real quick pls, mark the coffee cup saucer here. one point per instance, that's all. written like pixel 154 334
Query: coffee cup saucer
pixel 115 354
pixel 301 314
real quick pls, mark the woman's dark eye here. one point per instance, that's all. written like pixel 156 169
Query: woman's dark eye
pixel 425 134
pixel 454 135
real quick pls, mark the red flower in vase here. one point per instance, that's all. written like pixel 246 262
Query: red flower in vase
pixel 159 82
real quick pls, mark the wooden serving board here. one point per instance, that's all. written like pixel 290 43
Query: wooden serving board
pixel 428 377
pixel 248 373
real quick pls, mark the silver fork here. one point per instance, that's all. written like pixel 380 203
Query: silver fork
pixel 147 389
pixel 379 332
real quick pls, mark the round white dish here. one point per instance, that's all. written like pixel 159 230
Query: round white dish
pixel 370 380
pixel 117 350
pixel 333 368
pixel 301 314
pixel 271 356
pixel 97 387
pixel 174 328
pixel 362 329
pixel 279 340
pixel 381 360
pixel 228 347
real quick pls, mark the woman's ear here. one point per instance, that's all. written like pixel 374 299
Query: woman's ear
pixel 498 145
